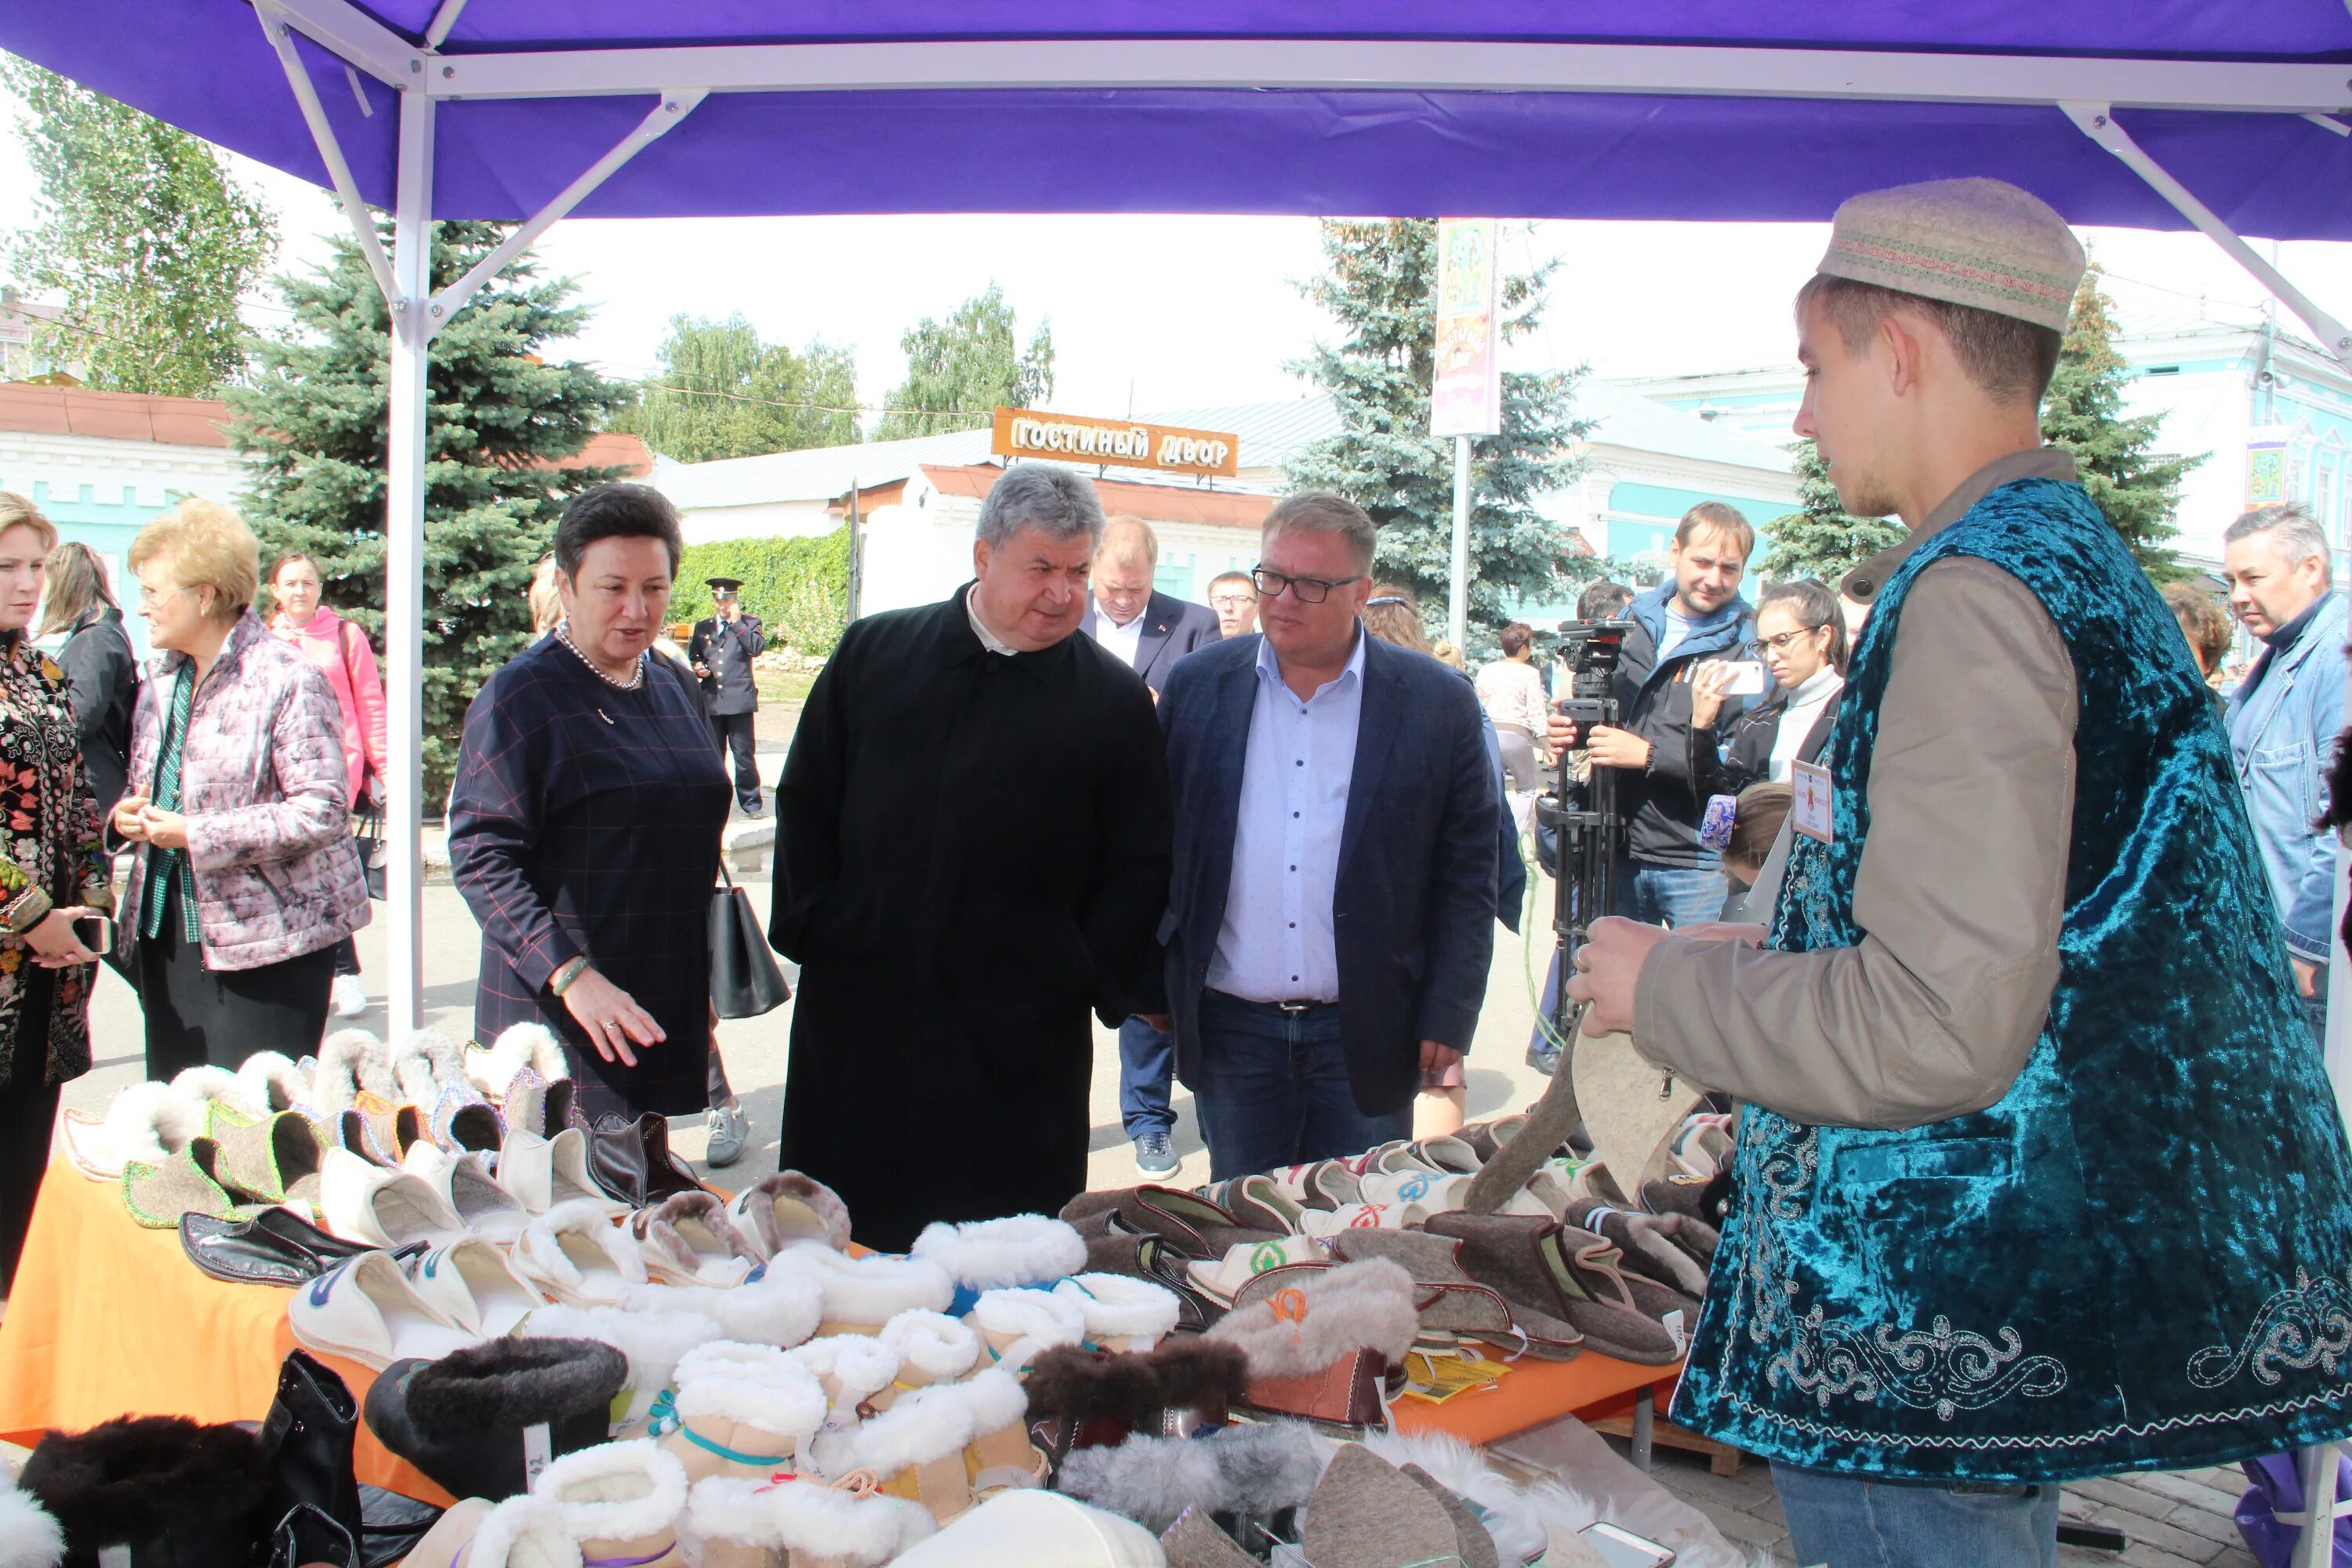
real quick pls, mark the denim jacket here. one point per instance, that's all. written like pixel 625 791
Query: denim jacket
pixel 2281 736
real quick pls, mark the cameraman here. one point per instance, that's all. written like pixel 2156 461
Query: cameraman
pixel 1666 877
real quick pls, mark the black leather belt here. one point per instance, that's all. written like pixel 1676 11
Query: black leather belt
pixel 1293 1007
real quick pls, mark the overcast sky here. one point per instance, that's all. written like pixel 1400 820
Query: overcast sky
pixel 1153 312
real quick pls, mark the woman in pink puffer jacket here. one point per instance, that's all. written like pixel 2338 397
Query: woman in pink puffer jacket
pixel 341 651
pixel 246 877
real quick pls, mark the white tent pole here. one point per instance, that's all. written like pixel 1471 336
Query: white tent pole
pixel 2097 121
pixel 404 569
pixel 444 19
pixel 339 169
pixel 1457 596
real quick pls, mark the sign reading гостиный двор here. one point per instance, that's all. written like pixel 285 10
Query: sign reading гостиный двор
pixel 1024 433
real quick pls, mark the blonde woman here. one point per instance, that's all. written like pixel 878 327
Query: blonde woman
pixel 246 879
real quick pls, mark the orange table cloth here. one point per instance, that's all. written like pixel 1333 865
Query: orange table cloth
pixel 1536 1391
pixel 110 1318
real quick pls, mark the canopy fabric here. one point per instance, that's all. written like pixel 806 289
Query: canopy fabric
pixel 205 65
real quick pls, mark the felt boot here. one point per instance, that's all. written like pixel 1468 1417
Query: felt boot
pixel 623 1502
pixel 178 1495
pixel 467 1421
pixel 739 1410
pixel 1094 1398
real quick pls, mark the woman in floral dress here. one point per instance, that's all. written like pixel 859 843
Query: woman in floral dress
pixel 53 871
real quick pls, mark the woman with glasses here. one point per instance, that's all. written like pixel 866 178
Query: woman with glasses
pixel 1800 637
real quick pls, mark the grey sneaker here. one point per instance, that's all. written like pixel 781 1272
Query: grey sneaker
pixel 727 1131
pixel 1154 1156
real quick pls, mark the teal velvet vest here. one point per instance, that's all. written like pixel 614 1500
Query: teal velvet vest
pixel 2141 1256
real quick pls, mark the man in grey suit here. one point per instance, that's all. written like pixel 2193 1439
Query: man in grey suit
pixel 1149 631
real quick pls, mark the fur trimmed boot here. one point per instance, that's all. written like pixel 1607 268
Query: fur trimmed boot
pixel 997 1254
pixel 732 1519
pixel 931 1348
pixel 654 1343
pixel 1247 1472
pixel 859 1375
pixel 1096 1398
pixel 1319 1349
pixel 1016 1324
pixel 773 1307
pixel 1122 1313
pixel 861 1294
pixel 788 1209
pixel 621 1501
pixel 465 1420
pixel 917 1448
pixel 739 1410
pixel 179 1495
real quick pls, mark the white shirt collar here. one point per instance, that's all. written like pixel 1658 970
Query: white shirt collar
pixel 1269 667
pixel 987 639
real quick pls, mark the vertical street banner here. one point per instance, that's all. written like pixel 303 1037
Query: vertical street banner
pixel 1466 394
pixel 2268 462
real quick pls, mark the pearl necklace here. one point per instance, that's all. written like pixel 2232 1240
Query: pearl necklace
pixel 563 636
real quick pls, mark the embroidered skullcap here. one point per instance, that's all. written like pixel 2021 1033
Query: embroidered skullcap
pixel 1970 242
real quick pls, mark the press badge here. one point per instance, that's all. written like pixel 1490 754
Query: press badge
pixel 1812 803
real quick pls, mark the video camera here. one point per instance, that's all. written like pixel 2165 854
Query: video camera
pixel 1588 825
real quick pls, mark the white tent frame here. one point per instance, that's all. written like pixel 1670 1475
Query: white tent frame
pixel 2087 90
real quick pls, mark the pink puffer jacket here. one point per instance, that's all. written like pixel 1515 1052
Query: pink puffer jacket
pixel 341 651
pixel 264 787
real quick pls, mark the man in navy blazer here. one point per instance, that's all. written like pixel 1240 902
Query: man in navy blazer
pixel 1148 630
pixel 1332 912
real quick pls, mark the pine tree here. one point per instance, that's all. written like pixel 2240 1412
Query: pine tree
pixel 1820 541
pixel 960 369
pixel 2138 489
pixel 722 392
pixel 145 236
pixel 497 420
pixel 1380 288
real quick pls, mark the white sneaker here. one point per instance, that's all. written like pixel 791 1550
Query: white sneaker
pixel 350 997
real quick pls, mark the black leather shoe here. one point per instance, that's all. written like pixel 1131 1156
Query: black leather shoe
pixel 275 1246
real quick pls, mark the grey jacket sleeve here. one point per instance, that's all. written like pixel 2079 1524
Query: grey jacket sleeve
pixel 1958 895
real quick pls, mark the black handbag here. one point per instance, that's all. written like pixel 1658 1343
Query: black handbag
pixel 744 979
pixel 308 1538
pixel 308 1438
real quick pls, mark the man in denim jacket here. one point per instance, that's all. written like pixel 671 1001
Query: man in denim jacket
pixel 2283 720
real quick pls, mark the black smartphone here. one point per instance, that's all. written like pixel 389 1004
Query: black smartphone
pixel 95 932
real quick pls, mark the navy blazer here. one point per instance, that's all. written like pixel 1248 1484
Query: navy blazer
pixel 1172 628
pixel 1414 904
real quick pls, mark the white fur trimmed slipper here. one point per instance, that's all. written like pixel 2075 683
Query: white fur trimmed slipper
pixel 771 1309
pixel 831 1525
pixel 932 1347
pixel 1122 1313
pixel 916 1447
pixel 492 1067
pixel 349 1061
pixel 210 1083
pixel 424 1062
pixel 148 1123
pixel 1016 1324
pixel 523 1532
pixel 725 1409
pixel 274 1083
pixel 576 1254
pixel 654 1342
pixel 688 1240
pixel 854 1371
pixel 788 1209
pixel 623 1500
pixel 996 1253
pixel 861 1294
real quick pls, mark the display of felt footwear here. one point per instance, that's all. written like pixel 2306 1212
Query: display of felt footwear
pixel 464 1183
pixel 787 1209
pixel 996 1253
pixel 276 1159
pixel 1368 1514
pixel 688 1240
pixel 472 1284
pixel 1221 1277
pixel 461 1420
pixel 1203 1228
pixel 622 1502
pixel 1528 1264
pixel 1651 1247
pixel 148 1122
pixel 157 1196
pixel 575 1253
pixel 1353 1307
pixel 366 1310
pixel 269 1246
pixel 391 1129
pixel 1158 1261
pixel 363 1202
pixel 546 1172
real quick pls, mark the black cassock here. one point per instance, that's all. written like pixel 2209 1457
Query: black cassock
pixel 971 856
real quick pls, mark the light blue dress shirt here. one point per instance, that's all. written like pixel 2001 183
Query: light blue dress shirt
pixel 1276 942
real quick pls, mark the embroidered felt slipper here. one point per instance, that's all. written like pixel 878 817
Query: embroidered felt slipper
pixel 575 1253
pixel 1122 1313
pixel 998 1254
pixel 465 1420
pixel 772 1307
pixel 1325 1224
pixel 367 1311
pixel 465 1185
pixel 391 1129
pixel 789 1208
pixel 148 1122
pixel 1445 1156
pixel 473 1285
pixel 688 1240
pixel 546 1173
pixel 730 1415
pixel 186 1183
pixel 276 1160
pixel 621 1501
pixel 363 1202
pixel 1220 1278
pixel 1295 1184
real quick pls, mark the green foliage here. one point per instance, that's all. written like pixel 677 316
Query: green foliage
pixel 960 369
pixel 798 587
pixel 722 392
pixel 1380 287
pixel 141 231
pixel 2138 489
pixel 1822 541
pixel 498 418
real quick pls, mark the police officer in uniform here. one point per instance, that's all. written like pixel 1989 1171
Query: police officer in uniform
pixel 721 651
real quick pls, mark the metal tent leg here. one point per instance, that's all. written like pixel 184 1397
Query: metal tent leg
pixel 2097 122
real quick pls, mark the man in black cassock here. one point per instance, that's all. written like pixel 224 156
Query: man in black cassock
pixel 972 842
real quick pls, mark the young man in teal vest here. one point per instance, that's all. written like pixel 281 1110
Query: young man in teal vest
pixel 2039 1175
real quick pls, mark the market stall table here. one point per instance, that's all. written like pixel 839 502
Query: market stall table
pixel 110 1318
pixel 1536 1391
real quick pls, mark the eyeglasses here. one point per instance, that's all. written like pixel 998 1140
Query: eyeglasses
pixel 1306 590
pixel 1232 601
pixel 1763 645
pixel 150 598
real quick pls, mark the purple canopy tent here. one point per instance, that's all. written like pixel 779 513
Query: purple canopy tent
pixel 2149 113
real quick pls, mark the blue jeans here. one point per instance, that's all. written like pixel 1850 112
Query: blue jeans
pixel 1848 1521
pixel 1146 1065
pixel 1272 1089
pixel 1655 895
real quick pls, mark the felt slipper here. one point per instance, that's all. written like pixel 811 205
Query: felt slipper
pixel 276 1160
pixel 575 1253
pixel 1325 1224
pixel 462 1121
pixel 547 1173
pixel 1259 1202
pixel 1195 1542
pixel 1202 1228
pixel 1220 1278
pixel 186 1183
pixel 363 1202
pixel 471 1283
pixel 1444 1155
pixel 464 1183
pixel 1368 1514
pixel 391 1130
pixel 1649 1247
pixel 688 1240
pixel 1548 1281
pixel 999 1254
pixel 1472 1545
pixel 367 1311
pixel 789 1208
pixel 1446 1299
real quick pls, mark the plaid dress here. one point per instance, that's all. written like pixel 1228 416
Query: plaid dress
pixel 587 819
